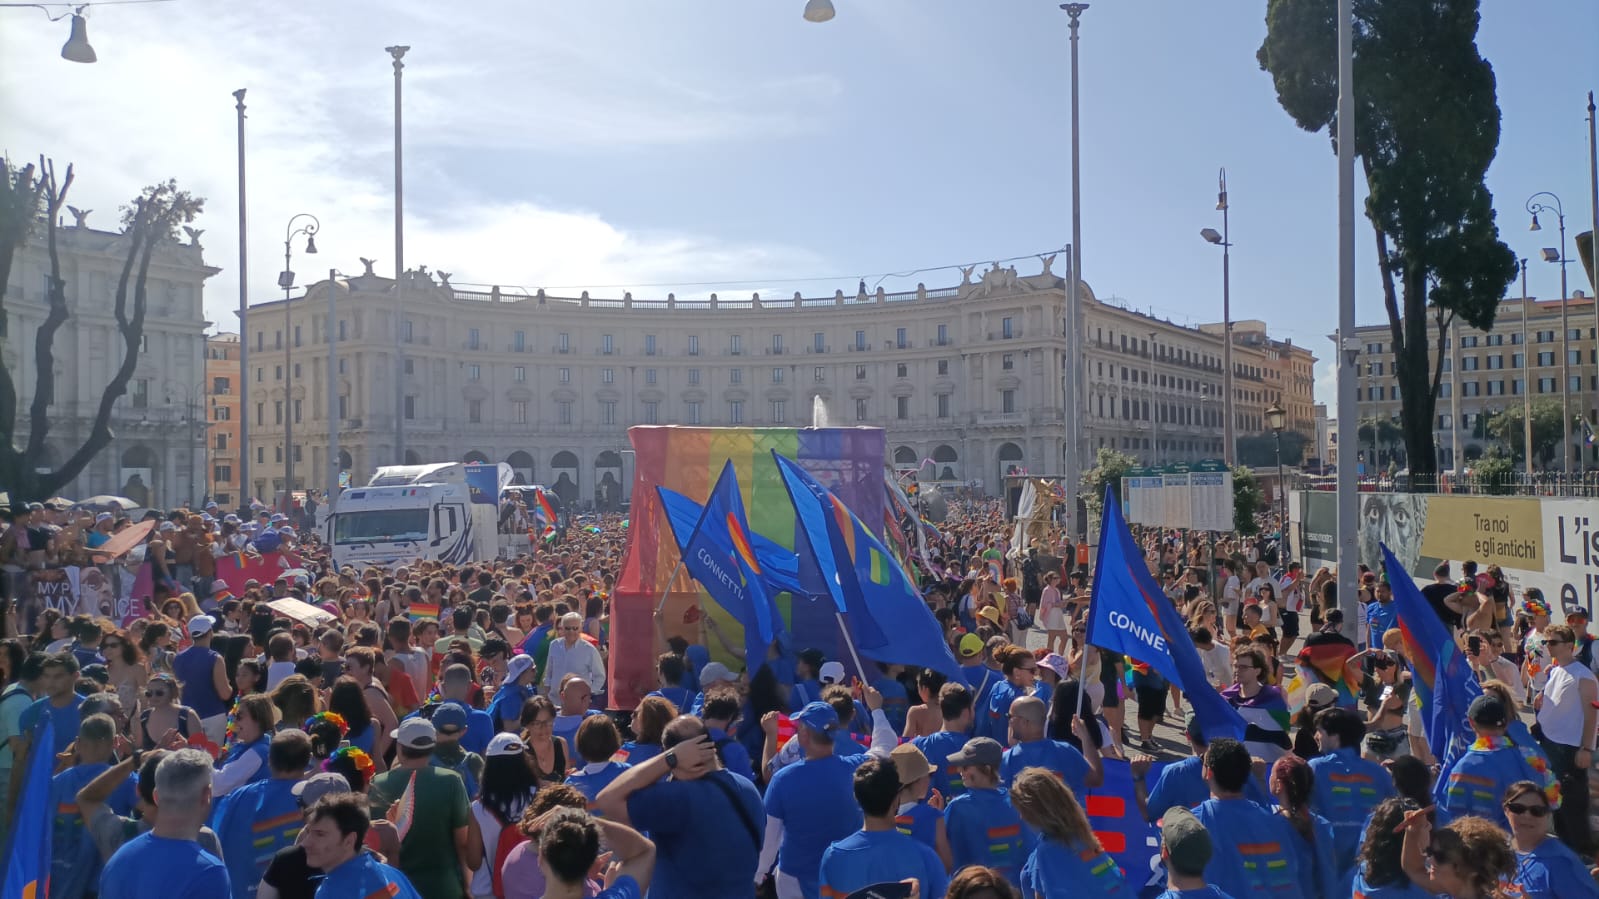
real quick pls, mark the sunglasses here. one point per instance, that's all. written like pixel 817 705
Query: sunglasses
pixel 155 694
pixel 1537 811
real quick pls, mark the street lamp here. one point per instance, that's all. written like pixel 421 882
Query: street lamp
pixel 286 281
pixel 1222 240
pixel 1550 254
pixel 1276 419
pixel 1154 410
pixel 1526 379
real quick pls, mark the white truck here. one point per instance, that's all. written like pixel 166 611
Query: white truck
pixel 408 513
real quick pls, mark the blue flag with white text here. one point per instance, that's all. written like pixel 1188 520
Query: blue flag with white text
pixel 779 567
pixel 887 618
pixel 28 850
pixel 1130 615
pixel 1444 683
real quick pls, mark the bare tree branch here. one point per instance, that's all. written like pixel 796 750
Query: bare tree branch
pixel 44 391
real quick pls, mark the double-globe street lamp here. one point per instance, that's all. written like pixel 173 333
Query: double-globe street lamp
pixel 1535 206
pixel 1277 419
pixel 309 228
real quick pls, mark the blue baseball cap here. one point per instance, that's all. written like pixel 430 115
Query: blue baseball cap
pixel 818 716
pixel 449 717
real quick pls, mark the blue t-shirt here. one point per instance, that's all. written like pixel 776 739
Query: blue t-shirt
pixel 1347 789
pixel 865 858
pixel 1360 889
pixel 74 862
pixel 479 728
pixel 995 720
pixel 938 747
pixel 65 719
pixel 920 822
pixel 1061 758
pixel 679 697
pixel 505 709
pixel 697 656
pixel 803 693
pixel 1257 857
pixel 1553 871
pixel 365 876
pixel 982 679
pixel 896 702
pixel 260 746
pixel 636 753
pixel 590 784
pixel 152 867
pixel 1055 869
pixel 1183 783
pixel 1204 892
pixel 984 830
pixel 624 888
pixel 815 800
pixel 252 823
pixel 1045 691
pixel 735 757
pixel 686 817
pixel 1380 617
pixel 1320 874
pixel 1477 780
pixel 566 728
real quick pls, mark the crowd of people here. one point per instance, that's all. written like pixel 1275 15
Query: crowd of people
pixel 219 746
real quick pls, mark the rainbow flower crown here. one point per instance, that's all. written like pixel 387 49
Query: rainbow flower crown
pixel 333 718
pixel 356 756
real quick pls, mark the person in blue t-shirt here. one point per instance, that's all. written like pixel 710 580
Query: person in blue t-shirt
pixel 1476 780
pixel 167 863
pixel 569 844
pixel 1380 871
pixel 255 821
pixel 919 810
pixel 1546 868
pixel 1381 615
pixel 74 862
pixel 1256 857
pixel 807 686
pixel 1320 874
pixel 650 718
pixel 1067 859
pixel 597 741
pixel 1186 850
pixel 896 699
pixel 334 837
pixel 878 852
pixel 456 686
pixel 983 828
pixel 1347 786
pixel 505 709
pixel 59 703
pixel 670 669
pixel 722 709
pixel 1182 782
pixel 955 709
pixel 1029 748
pixel 1019 669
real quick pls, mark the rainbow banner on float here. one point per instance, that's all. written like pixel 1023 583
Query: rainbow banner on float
pixel 848 461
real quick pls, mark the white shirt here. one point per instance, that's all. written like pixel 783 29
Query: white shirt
pixel 581 659
pixel 1560 716
pixel 1229 590
pixel 1218 661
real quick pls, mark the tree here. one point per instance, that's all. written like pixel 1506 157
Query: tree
pixel 1496 473
pixel 1260 450
pixel 1247 500
pixel 1109 468
pixel 1426 128
pixel 1547 431
pixel 31 197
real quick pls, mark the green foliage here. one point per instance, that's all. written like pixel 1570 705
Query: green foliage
pixel 1496 473
pixel 1547 431
pixel 1426 129
pixel 1247 500
pixel 1109 468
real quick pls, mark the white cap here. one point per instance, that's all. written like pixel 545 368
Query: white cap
pixel 200 625
pixel 416 733
pixel 504 744
pixel 520 665
pixel 716 673
pixel 103 516
pixel 831 673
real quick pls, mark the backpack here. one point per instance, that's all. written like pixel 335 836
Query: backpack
pixel 511 836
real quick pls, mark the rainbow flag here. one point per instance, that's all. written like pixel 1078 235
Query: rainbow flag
pixel 403 812
pixel 546 510
pixel 1328 656
pixel 421 610
pixel 1443 682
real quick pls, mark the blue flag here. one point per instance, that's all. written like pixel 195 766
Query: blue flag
pixel 28 852
pixel 1443 681
pixel 779 568
pixel 1129 615
pixel 717 553
pixel 887 619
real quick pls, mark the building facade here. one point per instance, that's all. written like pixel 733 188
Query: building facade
pixel 157 455
pixel 1518 360
pixel 222 405
pixel 971 377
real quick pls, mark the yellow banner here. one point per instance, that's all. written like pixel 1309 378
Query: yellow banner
pixel 1504 531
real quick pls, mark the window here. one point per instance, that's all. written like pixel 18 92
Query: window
pixel 297 411
pixel 219 386
pixel 1574 357
pixel 1007 401
pixel 693 413
pixel 222 441
pixel 902 407
pixel 260 410
pixel 259 336
pixel 474 339
pixel 777 344
pixel 221 413
pixel 777 376
pixel 565 375
pixel 410 408
pixel 222 473
pixel 519 412
pixel 1546 385
pixel 1468 341
pixel 344 406
pixel 296 370
pixel 943 367
pixel 260 454
pixel 901 370
pixel 1007 361
pixel 860 340
pixel 608 413
pixel 651 413
pixel 277 412
pixel 693 376
pixel 607 376
pixel 817 342
pixel 860 372
pixel 736 344
pixel 649 344
pixel 860 410
pixel 296 335
pixel 519 341
pixel 607 344
pixel 140 393
pixel 1469 363
pixel 943 405
pixel 407 331
pixel 563 342
pixel 343 332
pixel 1517 387
pixel 259 372
pixel 1470 388
pixel 819 374
pixel 1546 359
pixel 1496 388
pixel 899 339
pixel 1546 336
pixel 779 411
pixel 1007 328
pixel 277 373
pixel 519 373
pixel 564 411
pixel 474 411
pixel 649 376
pixel 693 344
pixel 735 376
pixel 1574 384
pixel 1496 362
pixel 474 372
pixel 410 366
pixel 735 412
pixel 943 335
pixel 277 453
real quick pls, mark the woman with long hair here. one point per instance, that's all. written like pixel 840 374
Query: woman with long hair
pixel 163 713
pixel 546 754
pixel 1052 614
pixel 507 787
pixel 1379 868
pixel 923 719
pixel 348 700
pixel 1291 784
pixel 1020 670
pixel 156 647
pixel 295 699
pixel 1068 859
pixel 1470 858
pixel 250 734
pixel 649 721
pixel 326 730
pixel 978 882
pixel 125 666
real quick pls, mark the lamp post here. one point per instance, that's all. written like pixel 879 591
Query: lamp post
pixel 1536 206
pixel 1526 379
pixel 398 54
pixel 333 413
pixel 1223 240
pixel 1154 412
pixel 286 281
pixel 1076 449
pixel 1276 419
pixel 244 331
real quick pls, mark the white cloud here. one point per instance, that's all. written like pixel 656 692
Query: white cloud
pixel 158 104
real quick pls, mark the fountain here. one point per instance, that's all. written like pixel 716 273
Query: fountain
pixel 818 412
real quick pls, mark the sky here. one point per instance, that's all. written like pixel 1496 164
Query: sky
pixel 731 146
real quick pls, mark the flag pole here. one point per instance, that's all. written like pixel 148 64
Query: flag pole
pixel 670 584
pixel 859 668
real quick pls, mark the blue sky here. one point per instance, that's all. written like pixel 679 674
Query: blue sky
pixel 581 145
